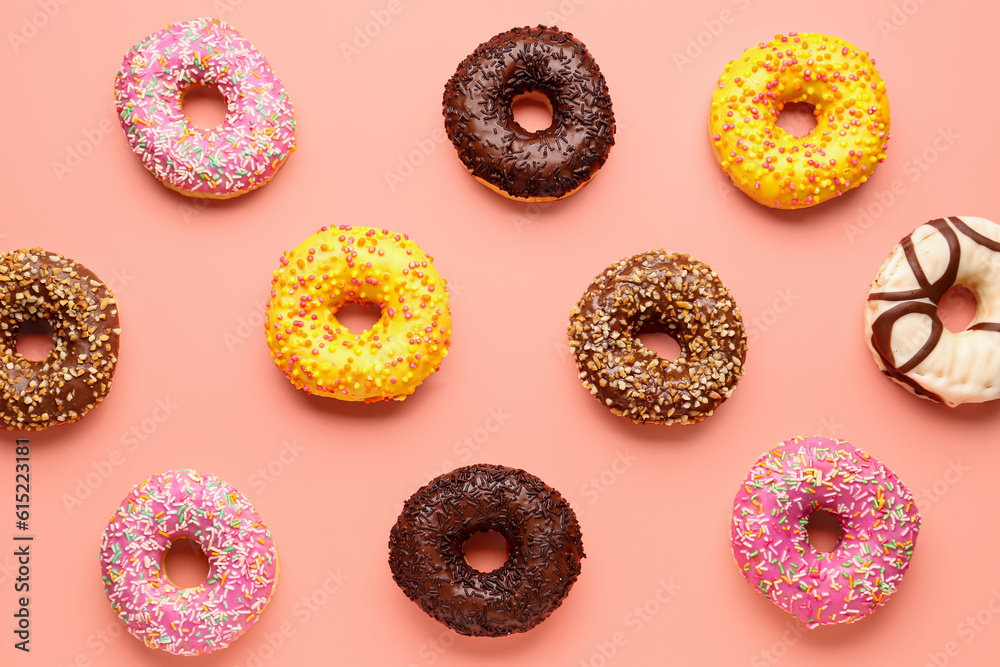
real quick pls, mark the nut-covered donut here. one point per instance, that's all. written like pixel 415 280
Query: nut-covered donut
pixel 341 265
pixel 664 291
pixel 42 286
pixel 904 332
pixel 772 166
pixel 553 67
pixel 543 538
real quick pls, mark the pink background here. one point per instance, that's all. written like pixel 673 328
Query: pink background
pixel 196 387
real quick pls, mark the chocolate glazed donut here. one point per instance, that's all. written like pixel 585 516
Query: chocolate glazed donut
pixel 543 537
pixel 530 166
pixel 36 285
pixel 664 291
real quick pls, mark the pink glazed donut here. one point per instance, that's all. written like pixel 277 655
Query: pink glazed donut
pixel 877 516
pixel 242 153
pixel 243 563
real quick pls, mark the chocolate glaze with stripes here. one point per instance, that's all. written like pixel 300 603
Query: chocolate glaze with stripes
pixel 911 302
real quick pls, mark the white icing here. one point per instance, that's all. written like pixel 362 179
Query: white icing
pixel 963 367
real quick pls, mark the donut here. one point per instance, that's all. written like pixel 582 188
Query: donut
pixel 543 540
pixel 776 168
pixel 902 327
pixel 242 561
pixel 876 512
pixel 548 65
pixel 342 265
pixel 245 151
pixel 41 286
pixel 661 291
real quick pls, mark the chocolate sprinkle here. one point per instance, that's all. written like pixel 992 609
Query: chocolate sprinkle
pixel 686 299
pixel 36 285
pixel 544 165
pixel 427 559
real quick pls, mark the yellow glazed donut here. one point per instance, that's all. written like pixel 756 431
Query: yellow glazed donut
pixel 342 265
pixel 841 152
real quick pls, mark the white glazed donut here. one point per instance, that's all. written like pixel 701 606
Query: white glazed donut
pixel 904 332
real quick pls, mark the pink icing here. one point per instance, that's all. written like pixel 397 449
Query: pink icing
pixel 242 153
pixel 876 512
pixel 243 563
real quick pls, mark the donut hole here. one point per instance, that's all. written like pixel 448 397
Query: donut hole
pixel 797 118
pixel 185 564
pixel 204 106
pixel 359 317
pixel 957 308
pixel 486 551
pixel 35 341
pixel 532 110
pixel 659 340
pixel 825 531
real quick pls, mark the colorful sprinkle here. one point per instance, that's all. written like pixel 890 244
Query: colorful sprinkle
pixel 322 275
pixel 239 155
pixel 876 512
pixel 840 153
pixel 243 562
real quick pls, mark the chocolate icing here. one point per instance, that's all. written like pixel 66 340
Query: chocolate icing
pixel 974 235
pixel 924 301
pixel 36 285
pixel 550 163
pixel 685 298
pixel 543 536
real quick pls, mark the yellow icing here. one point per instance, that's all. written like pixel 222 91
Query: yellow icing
pixel 344 265
pixel 841 152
